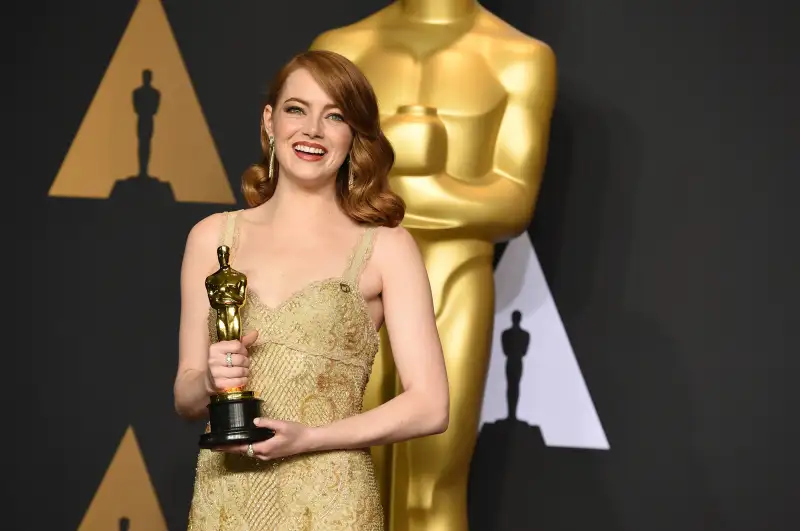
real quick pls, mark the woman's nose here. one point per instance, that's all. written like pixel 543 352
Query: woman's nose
pixel 313 127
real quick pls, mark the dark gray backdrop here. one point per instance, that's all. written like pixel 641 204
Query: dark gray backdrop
pixel 667 229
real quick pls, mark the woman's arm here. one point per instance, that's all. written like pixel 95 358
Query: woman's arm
pixel 192 384
pixel 423 406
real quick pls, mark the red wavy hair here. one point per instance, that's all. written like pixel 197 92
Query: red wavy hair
pixel 371 156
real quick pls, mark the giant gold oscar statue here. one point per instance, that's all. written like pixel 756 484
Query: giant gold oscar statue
pixel 466 101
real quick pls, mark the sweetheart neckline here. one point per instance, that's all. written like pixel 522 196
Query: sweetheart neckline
pixel 305 287
pixel 254 297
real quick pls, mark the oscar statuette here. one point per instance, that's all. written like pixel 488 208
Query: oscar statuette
pixel 232 411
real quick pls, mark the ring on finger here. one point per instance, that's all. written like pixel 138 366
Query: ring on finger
pixel 229 359
pixel 250 452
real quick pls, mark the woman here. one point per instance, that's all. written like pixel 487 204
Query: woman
pixel 327 265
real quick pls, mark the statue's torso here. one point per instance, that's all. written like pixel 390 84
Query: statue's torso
pixel 456 71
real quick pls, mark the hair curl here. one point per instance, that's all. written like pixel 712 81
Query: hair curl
pixel 371 157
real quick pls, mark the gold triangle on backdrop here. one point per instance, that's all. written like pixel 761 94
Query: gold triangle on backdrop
pixel 108 144
pixel 126 498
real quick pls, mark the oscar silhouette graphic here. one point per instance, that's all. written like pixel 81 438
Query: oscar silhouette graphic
pixel 505 449
pixel 124 524
pixel 143 187
pixel 507 486
pixel 515 343
pixel 145 103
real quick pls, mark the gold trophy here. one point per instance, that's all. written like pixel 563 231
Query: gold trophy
pixel 231 412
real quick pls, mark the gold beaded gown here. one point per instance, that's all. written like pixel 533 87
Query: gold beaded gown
pixel 310 364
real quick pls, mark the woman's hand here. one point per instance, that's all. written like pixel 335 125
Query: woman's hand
pixel 291 438
pixel 226 372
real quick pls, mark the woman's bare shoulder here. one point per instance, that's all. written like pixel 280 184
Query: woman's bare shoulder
pixel 205 233
pixel 394 241
pixel 395 247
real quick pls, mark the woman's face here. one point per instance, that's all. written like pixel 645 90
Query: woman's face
pixel 311 137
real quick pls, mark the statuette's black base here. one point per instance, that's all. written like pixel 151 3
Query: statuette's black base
pixel 231 421
pixel 244 436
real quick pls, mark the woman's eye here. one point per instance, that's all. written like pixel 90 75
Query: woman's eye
pixel 337 117
pixel 294 110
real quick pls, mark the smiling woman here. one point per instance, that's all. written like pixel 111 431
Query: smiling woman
pixel 327 92
pixel 327 264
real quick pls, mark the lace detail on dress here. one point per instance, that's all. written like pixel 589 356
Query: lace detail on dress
pixel 311 364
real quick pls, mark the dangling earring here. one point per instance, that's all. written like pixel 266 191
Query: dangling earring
pixel 271 157
pixel 350 175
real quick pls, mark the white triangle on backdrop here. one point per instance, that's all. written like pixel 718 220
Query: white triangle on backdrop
pixel 553 393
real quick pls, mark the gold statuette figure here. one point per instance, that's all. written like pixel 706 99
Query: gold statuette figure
pixel 227 294
pixel 466 101
pixel 231 412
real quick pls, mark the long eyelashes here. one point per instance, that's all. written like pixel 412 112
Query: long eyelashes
pixel 293 109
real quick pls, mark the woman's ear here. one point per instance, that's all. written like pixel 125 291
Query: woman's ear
pixel 267 117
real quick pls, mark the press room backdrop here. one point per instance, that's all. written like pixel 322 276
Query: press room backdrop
pixel 657 284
